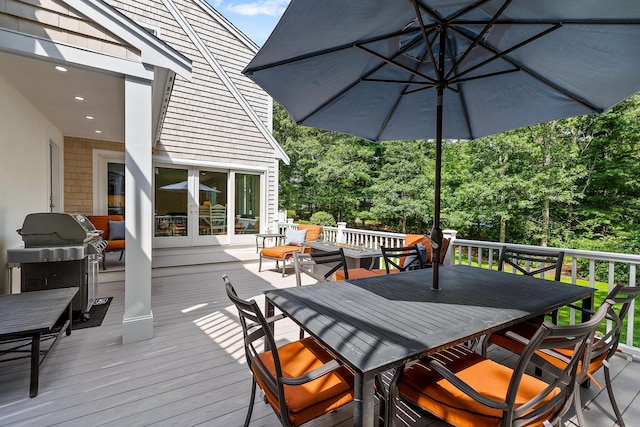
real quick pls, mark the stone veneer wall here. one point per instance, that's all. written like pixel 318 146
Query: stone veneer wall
pixel 78 172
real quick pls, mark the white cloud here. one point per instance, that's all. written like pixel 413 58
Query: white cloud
pixel 260 7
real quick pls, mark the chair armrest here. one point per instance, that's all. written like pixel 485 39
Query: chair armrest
pixel 463 386
pixel 270 320
pixel 323 370
pixel 540 361
pixel 275 318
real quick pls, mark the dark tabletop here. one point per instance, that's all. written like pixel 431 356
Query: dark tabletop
pixel 33 311
pixel 378 323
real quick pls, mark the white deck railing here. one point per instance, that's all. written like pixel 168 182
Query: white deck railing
pixel 462 251
pixel 467 251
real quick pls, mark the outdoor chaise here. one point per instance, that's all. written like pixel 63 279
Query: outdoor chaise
pixel 294 242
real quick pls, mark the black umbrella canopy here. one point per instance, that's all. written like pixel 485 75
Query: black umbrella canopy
pixel 412 69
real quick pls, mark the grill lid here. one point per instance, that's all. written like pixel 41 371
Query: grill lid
pixel 57 229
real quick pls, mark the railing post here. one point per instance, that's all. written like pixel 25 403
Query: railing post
pixel 448 256
pixel 340 236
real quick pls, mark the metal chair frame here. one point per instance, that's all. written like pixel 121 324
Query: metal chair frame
pixel 547 338
pixel 258 338
pixel 307 263
pixel 397 258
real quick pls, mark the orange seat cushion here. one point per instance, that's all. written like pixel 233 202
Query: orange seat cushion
pixel 313 231
pixel 312 399
pixel 430 391
pixel 355 273
pixel 114 245
pixel 280 251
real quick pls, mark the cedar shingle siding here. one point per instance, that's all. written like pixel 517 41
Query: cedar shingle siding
pixel 204 120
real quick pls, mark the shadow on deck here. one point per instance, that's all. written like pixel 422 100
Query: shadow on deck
pixel 193 371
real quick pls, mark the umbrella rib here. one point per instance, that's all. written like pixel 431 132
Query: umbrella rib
pixel 397 101
pixel 428 85
pixel 366 76
pixel 249 71
pixel 461 12
pixel 476 41
pixel 390 61
pixel 425 38
pixel 340 93
pixel 502 55
pixel 564 22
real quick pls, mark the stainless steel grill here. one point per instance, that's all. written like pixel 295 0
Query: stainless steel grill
pixel 60 250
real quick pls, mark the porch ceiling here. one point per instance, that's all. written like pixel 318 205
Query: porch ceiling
pixel 52 92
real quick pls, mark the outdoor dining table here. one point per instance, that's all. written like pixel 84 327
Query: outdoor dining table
pixel 380 323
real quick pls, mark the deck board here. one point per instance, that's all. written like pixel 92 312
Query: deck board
pixel 193 371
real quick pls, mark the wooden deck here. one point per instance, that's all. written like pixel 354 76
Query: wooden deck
pixel 193 371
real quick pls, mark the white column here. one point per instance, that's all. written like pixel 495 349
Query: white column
pixel 137 323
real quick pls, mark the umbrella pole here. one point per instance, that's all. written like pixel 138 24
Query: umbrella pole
pixel 436 232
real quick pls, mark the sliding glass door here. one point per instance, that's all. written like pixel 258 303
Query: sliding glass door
pixel 197 206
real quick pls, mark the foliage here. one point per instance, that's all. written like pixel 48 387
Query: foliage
pixel 323 218
pixel 570 183
pixel 402 194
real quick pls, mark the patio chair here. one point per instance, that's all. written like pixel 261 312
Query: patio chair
pixel 601 350
pixel 319 265
pixel 415 239
pixel 403 258
pixel 294 242
pixel 465 388
pixel 307 263
pixel 214 218
pixel 529 262
pixel 532 262
pixel 300 380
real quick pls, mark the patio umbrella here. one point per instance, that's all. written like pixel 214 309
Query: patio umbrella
pixel 184 185
pixel 456 69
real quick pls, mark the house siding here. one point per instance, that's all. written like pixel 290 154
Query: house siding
pixel 56 21
pixel 78 172
pixel 204 122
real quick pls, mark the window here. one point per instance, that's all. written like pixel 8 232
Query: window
pixel 247 203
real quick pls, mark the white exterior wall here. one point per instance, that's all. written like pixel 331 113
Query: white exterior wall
pixel 24 168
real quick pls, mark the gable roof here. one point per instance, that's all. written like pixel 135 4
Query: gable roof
pixel 219 71
pixel 153 50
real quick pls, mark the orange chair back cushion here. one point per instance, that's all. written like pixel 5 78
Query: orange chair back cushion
pixel 101 222
pixel 313 231
pixel 438 396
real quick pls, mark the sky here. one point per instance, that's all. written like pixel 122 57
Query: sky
pixel 255 18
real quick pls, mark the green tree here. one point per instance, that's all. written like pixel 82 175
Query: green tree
pixel 402 195
pixel 611 152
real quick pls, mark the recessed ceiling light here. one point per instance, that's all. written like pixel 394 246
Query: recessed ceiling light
pixel 89 117
pixel 78 98
pixel 98 131
pixel 61 68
